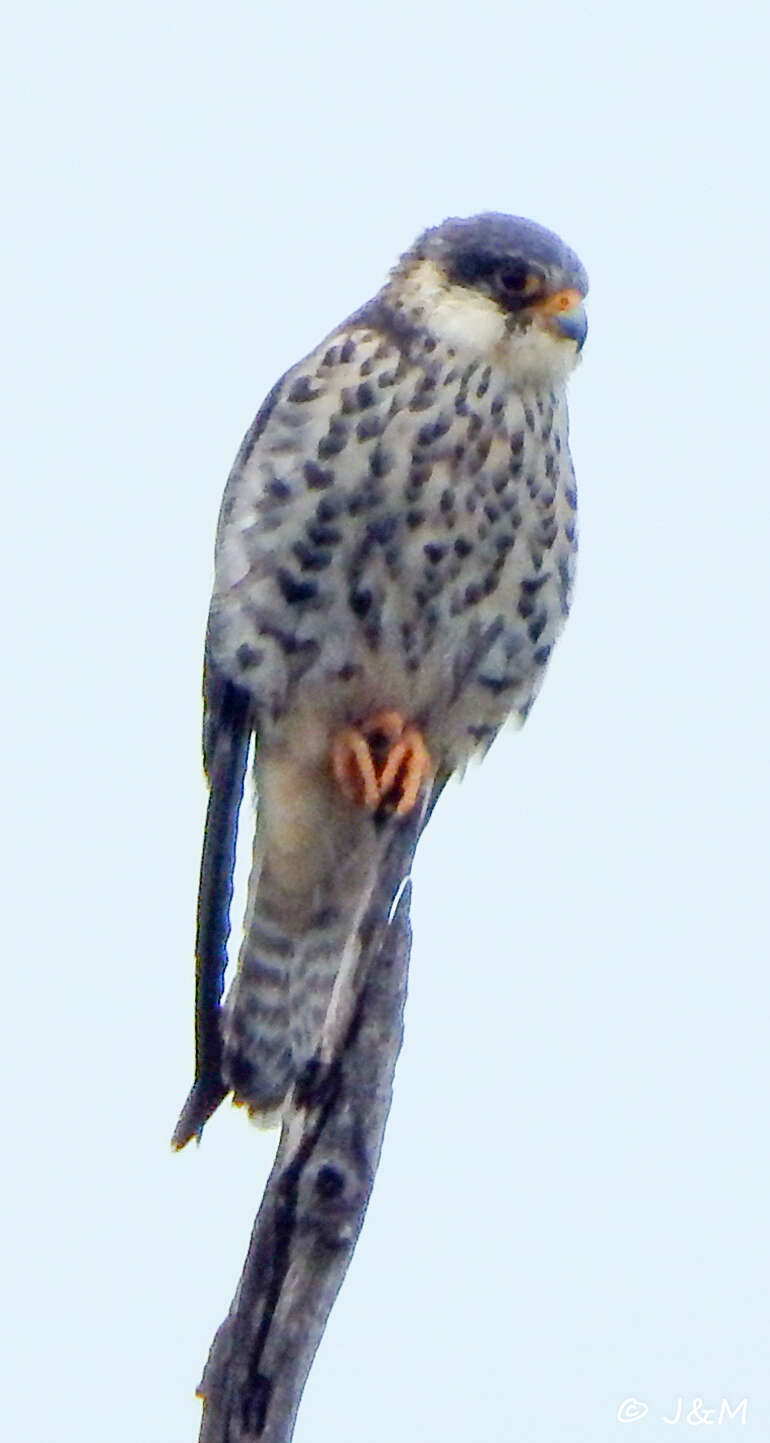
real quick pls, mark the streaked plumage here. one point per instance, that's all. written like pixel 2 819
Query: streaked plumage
pixel 397 536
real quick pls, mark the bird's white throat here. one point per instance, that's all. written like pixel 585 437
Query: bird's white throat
pixel 474 326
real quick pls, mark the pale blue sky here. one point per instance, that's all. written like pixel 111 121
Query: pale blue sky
pixel 573 1198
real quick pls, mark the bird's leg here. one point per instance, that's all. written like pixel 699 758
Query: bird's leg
pixel 384 761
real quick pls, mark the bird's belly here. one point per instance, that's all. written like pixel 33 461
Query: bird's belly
pixel 457 640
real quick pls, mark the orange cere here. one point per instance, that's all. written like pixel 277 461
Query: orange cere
pixel 559 302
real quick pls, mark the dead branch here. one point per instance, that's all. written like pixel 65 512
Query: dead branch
pixel 316 1196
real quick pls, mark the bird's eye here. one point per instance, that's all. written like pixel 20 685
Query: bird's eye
pixel 514 277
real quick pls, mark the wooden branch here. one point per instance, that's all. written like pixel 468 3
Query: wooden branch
pixel 316 1196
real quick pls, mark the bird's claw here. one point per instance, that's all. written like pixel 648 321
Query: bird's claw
pixel 382 762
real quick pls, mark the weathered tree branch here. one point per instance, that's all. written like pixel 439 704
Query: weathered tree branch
pixel 316 1196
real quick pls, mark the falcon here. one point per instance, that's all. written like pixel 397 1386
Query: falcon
pixel 394 562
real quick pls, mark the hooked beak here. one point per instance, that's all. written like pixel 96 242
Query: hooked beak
pixel 564 314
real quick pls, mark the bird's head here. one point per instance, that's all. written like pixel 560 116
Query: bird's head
pixel 499 286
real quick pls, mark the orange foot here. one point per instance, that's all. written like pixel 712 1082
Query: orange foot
pixel 382 762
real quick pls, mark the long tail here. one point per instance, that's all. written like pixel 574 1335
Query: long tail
pixel 314 867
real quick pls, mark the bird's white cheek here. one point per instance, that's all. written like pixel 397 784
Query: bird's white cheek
pixel 468 321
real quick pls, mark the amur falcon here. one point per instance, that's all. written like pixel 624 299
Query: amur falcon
pixel 394 562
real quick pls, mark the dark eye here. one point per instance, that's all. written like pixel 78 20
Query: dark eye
pixel 515 277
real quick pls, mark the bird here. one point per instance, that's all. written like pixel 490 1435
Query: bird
pixel 394 561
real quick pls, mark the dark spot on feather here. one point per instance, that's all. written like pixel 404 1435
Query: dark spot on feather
pixel 329 507
pixel 423 395
pixel 294 591
pixel 311 559
pixel 532 584
pixel 537 627
pixel 383 529
pixel 316 477
pixel 565 583
pixel 481 733
pixel 323 535
pixel 278 490
pixel 434 430
pixel 496 684
pixel 302 390
pixel 334 441
pixel 479 456
pixel 360 602
pixel 371 426
pixel 305 652
pixel 248 656
pixel 380 461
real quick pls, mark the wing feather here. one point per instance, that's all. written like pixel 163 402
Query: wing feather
pixel 227 735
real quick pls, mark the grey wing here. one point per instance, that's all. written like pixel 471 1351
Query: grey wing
pixel 228 723
pixel 227 734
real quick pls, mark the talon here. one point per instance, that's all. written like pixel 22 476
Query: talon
pixel 382 762
pixel 406 770
pixel 353 768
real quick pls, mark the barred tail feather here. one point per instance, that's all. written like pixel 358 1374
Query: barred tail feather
pixel 310 886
